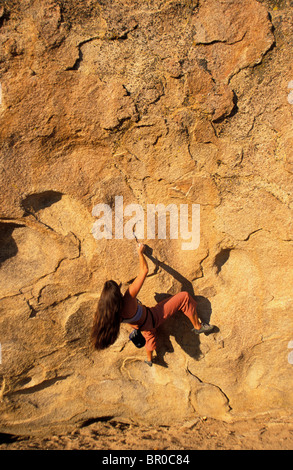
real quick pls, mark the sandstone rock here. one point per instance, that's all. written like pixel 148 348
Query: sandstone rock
pixel 158 102
pixel 209 400
pixel 230 29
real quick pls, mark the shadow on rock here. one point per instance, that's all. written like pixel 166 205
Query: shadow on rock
pixel 179 326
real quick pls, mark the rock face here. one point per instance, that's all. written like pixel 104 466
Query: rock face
pixel 158 102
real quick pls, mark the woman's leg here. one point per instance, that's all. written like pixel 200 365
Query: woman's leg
pixel 181 301
pixel 168 307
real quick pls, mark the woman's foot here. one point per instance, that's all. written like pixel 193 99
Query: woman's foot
pixel 204 328
pixel 149 363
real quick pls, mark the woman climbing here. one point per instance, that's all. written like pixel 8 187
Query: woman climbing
pixel 114 308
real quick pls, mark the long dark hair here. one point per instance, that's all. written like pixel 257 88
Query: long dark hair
pixel 107 321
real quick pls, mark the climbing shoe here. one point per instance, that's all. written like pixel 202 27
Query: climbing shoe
pixel 149 363
pixel 205 328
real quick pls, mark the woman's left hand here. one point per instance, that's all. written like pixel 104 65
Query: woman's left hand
pixel 140 247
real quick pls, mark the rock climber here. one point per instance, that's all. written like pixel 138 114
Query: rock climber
pixel 115 308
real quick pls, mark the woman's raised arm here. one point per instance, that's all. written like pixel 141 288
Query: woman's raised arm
pixel 136 285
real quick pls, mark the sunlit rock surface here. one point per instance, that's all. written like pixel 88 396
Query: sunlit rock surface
pixel 158 102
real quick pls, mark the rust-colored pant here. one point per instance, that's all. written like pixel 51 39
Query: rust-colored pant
pixel 164 310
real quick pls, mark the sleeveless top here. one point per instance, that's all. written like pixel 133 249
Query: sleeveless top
pixel 137 316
